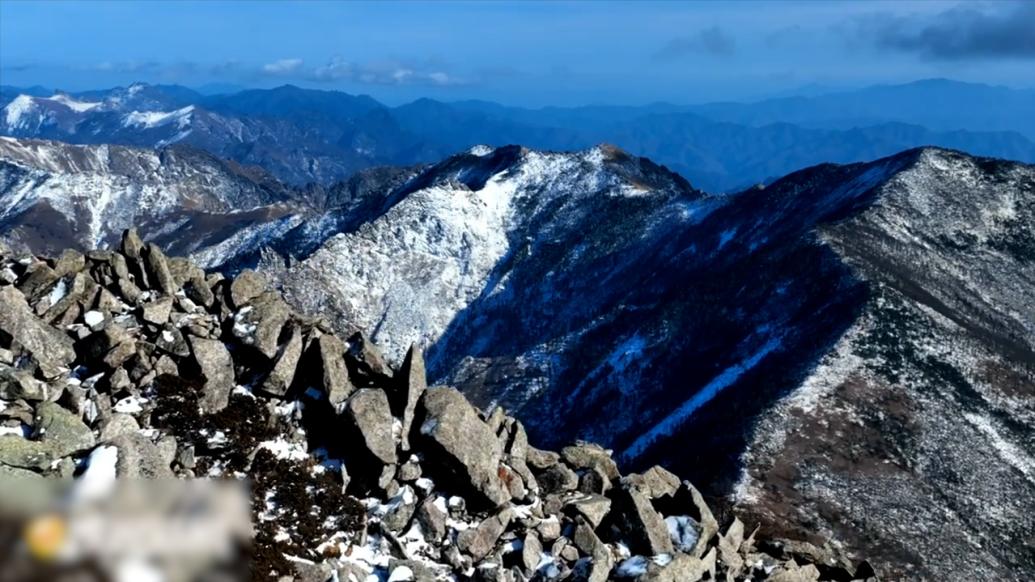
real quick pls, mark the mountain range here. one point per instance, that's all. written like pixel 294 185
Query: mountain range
pixel 846 353
pixel 308 136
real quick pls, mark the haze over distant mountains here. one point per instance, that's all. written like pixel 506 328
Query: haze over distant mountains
pixel 303 135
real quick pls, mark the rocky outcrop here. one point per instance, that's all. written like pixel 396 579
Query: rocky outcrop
pixel 391 479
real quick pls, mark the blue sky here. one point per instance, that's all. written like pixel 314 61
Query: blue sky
pixel 524 53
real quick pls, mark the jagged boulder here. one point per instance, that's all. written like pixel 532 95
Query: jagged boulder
pixel 462 450
pixel 50 349
pixel 334 375
pixel 410 384
pixel 644 526
pixel 217 369
pixel 368 423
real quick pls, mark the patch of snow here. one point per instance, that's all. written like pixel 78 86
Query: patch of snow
pixel 77 106
pixel 58 291
pixel 99 478
pixel 401 574
pixel 23 430
pixel 684 531
pixel 17 111
pixel 283 449
pixel 633 567
pixel 152 119
pixel 130 404
pixel 92 318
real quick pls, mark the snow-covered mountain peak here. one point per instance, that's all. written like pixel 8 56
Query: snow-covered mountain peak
pixel 459 227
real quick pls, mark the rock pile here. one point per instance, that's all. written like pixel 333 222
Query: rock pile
pixel 131 362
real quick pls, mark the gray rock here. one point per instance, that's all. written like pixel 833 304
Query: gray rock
pixel 70 261
pixel 644 527
pixel 129 291
pixel 52 350
pixel 185 457
pixel 791 572
pixel 368 424
pixel 217 368
pixel 557 478
pixel 409 471
pixel 531 552
pixel 478 541
pixel 118 424
pixel 334 374
pixel 260 323
pixel 283 373
pixel 183 270
pixel 593 569
pixel 401 509
pixel 594 481
pixel 587 541
pixel 687 500
pixel 199 292
pixel 729 547
pixel 158 269
pixel 460 449
pixel 411 382
pixel 77 287
pixel 59 432
pixel 16 451
pixel 654 482
pixel 593 508
pixel 432 520
pixel 157 311
pixel 118 355
pixel 106 302
pixel 588 455
pixel 62 430
pixel 15 384
pixel 549 529
pixel 311 572
pixel 539 459
pixel 366 359
pixel 684 568
pixel 245 287
pixel 171 340
pixel 139 458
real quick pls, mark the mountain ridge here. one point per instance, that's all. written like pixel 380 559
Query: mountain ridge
pixel 600 296
pixel 305 135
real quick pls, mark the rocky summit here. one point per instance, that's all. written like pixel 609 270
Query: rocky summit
pixel 127 363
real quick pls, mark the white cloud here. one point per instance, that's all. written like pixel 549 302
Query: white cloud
pixel 282 66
